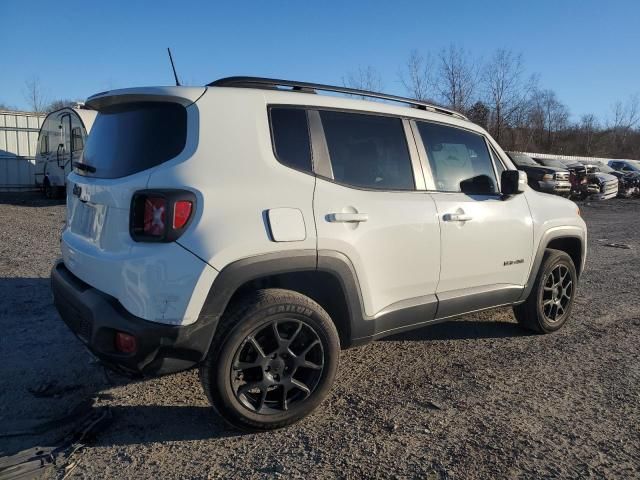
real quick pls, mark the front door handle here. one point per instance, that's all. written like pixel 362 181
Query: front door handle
pixel 347 217
pixel 456 217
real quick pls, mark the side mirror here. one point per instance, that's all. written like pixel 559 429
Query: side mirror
pixel 513 182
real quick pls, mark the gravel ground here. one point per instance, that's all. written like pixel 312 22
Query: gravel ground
pixel 475 398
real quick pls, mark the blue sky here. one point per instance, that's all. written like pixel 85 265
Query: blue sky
pixel 587 51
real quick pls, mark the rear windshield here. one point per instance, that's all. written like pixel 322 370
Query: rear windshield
pixel 131 137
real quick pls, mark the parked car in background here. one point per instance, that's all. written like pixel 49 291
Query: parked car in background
pixel 60 144
pixel 577 176
pixel 625 165
pixel 543 178
pixel 628 181
pixel 586 181
pixel 607 184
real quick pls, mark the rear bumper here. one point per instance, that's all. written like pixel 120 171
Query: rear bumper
pixel 95 317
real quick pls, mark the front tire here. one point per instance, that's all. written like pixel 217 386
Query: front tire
pixel 549 304
pixel 273 360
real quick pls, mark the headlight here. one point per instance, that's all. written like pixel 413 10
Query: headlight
pixel 547 177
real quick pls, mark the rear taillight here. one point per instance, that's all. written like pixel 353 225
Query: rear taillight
pixel 154 216
pixel 181 213
pixel 160 215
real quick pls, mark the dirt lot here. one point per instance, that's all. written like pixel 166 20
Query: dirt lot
pixel 474 398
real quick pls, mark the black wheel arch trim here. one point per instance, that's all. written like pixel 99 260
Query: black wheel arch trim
pixel 238 273
pixel 550 235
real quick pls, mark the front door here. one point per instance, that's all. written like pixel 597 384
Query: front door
pixel 486 239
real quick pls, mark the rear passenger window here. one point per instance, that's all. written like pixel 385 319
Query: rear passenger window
pixel 291 137
pixel 368 151
pixel 459 160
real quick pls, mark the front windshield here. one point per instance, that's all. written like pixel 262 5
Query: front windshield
pixel 635 164
pixel 603 167
pixel 522 159
pixel 549 162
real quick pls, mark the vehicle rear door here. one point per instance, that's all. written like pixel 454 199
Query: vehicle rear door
pixel 370 205
pixel 486 238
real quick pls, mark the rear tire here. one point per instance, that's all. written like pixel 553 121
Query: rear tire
pixel 549 304
pixel 272 361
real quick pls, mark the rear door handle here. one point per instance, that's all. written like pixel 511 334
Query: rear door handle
pixel 347 217
pixel 456 217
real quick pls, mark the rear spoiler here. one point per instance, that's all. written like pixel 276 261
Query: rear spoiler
pixel 185 96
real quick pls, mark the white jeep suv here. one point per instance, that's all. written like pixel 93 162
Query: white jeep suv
pixel 254 228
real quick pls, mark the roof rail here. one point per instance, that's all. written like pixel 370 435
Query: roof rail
pixel 308 87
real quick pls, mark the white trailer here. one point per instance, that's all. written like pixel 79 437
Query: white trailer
pixel 18 141
pixel 60 143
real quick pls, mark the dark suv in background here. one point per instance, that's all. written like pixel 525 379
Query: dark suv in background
pixel 548 179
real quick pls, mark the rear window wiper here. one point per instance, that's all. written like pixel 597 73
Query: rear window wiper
pixel 85 167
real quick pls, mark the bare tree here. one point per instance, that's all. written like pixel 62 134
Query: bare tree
pixel 506 90
pixel 58 104
pixel 365 78
pixel 34 95
pixel 456 78
pixel 625 118
pixel 587 129
pixel 479 113
pixel 417 78
pixel 549 116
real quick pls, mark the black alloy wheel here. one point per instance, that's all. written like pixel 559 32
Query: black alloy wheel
pixel 556 293
pixel 277 366
pixel 272 360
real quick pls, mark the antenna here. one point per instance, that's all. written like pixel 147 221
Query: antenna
pixel 175 75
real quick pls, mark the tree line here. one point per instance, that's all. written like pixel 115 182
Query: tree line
pixel 496 93
pixel 499 94
pixel 38 101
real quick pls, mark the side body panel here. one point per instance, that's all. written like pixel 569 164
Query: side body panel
pixel 237 179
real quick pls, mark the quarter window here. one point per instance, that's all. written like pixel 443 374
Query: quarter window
pixel 498 162
pixel 368 151
pixel 459 160
pixel 291 137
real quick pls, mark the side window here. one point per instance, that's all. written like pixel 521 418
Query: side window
pixel 368 151
pixel 44 144
pixel 500 167
pixel 460 161
pixel 291 137
pixel 77 142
